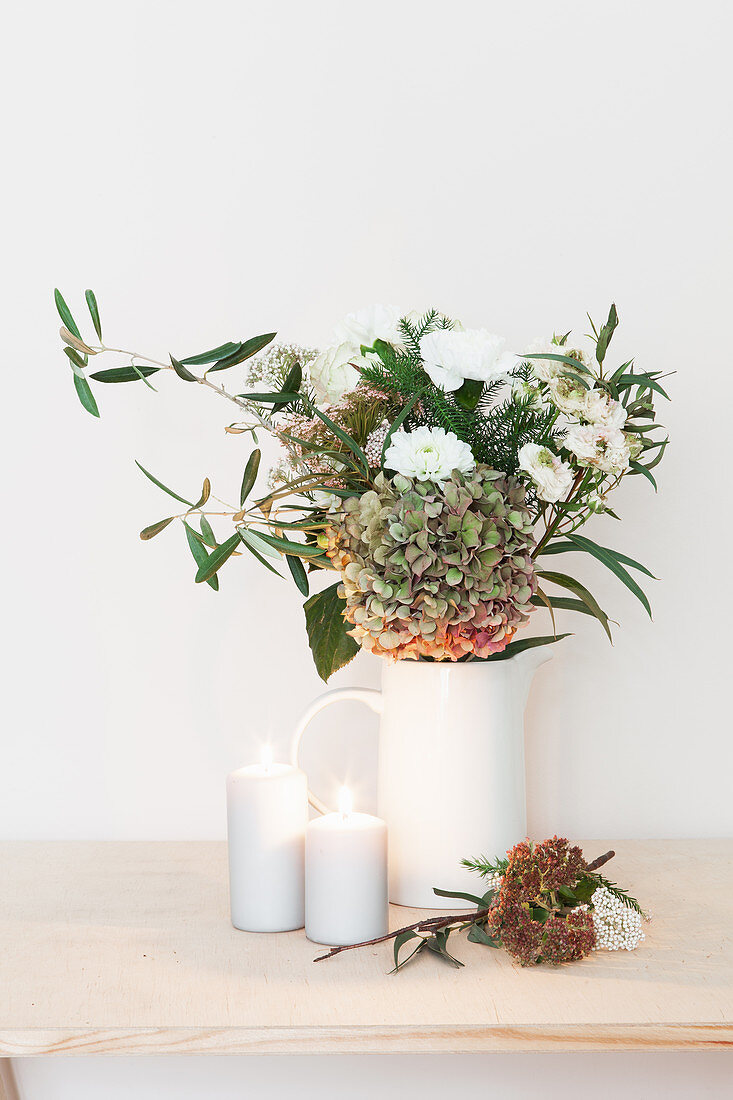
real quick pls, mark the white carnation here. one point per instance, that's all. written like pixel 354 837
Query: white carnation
pixel 333 373
pixel 367 325
pixel 552 477
pixel 547 369
pixel 428 454
pixel 599 408
pixel 451 356
pixel 606 449
pixel 567 395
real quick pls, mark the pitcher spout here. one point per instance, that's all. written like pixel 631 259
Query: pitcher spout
pixel 527 662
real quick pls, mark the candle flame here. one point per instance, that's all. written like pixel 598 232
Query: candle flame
pixel 266 757
pixel 346 801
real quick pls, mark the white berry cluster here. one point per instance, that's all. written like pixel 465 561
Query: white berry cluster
pixel 617 927
pixel 493 882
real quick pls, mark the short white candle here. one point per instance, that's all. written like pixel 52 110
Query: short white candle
pixel 267 812
pixel 345 877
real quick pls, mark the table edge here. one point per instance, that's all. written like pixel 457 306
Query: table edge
pixel 372 1039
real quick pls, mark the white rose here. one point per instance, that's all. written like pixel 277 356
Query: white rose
pixel 369 324
pixel 428 454
pixel 552 477
pixel 599 408
pixel 606 449
pixel 450 357
pixel 333 373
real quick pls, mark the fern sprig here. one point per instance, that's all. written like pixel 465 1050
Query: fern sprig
pixel 618 892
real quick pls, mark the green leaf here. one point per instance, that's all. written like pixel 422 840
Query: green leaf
pixel 300 549
pixel 208 535
pixel 275 397
pixel 65 315
pixel 604 336
pixel 468 394
pixel 250 475
pixel 258 548
pixel 211 356
pixel 457 894
pixel 155 528
pixel 124 374
pixel 343 436
pixel 563 603
pixel 568 360
pixel 181 371
pixel 294 379
pixel 216 558
pixel 400 941
pixel 245 351
pixel 567 893
pixel 160 485
pixel 644 381
pixel 438 944
pixel 577 543
pixel 331 646
pixel 563 581
pixel 85 395
pixel 94 310
pixel 298 573
pixel 199 555
pixel 638 468
pixel 525 643
pixel 615 562
pixel 478 934
pixel 77 359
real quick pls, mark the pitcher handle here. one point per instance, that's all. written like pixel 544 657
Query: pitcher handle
pixel 371 698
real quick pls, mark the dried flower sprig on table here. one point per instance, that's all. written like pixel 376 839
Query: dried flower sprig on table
pixel 545 904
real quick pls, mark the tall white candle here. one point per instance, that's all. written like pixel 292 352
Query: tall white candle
pixel 345 877
pixel 267 812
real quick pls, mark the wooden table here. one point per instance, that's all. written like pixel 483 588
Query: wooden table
pixel 126 948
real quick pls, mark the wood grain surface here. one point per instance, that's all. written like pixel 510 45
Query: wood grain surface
pixel 127 948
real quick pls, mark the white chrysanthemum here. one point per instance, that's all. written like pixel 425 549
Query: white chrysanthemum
pixel 333 373
pixel 606 449
pixel 551 475
pixel 599 408
pixel 367 325
pixel 617 927
pixel 451 356
pixel 428 454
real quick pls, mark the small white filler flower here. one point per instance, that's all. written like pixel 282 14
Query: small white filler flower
pixel 450 357
pixel 551 475
pixel 617 926
pixel 428 454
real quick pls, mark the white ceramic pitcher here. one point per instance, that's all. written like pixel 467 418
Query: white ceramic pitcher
pixel 451 766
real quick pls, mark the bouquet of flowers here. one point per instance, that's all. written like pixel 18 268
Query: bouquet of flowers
pixel 427 466
pixel 543 904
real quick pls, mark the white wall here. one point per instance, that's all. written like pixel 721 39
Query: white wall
pixel 217 170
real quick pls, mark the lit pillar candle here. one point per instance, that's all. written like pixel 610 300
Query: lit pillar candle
pixel 345 876
pixel 267 812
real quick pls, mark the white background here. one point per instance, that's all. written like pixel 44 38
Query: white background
pixel 215 171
